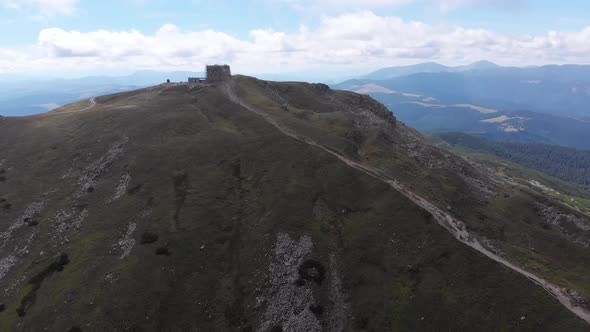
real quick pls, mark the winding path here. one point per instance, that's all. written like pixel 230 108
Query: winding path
pixel 454 226
pixel 92 104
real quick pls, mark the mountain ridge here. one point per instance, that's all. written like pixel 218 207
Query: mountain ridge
pixel 560 72
pixel 455 227
pixel 427 67
pixel 195 192
pixel 541 107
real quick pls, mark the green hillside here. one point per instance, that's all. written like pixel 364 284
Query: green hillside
pixel 259 206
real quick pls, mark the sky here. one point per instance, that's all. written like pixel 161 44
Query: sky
pixel 331 37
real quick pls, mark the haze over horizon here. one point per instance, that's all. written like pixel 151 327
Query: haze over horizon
pixel 74 38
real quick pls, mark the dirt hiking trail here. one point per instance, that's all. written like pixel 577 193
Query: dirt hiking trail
pixel 89 107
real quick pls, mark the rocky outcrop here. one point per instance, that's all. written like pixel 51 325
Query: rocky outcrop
pixel 292 301
pixel 287 301
pixel 355 102
pixel 573 228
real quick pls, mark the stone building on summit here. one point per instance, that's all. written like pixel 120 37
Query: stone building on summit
pixel 218 73
pixel 215 73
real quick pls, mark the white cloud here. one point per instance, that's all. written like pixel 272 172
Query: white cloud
pixel 342 4
pixel 43 7
pixel 447 5
pixel 361 40
pixel 443 5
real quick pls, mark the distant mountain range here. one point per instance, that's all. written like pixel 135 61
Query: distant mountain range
pixel 427 67
pixel 560 73
pixel 558 90
pixel 548 104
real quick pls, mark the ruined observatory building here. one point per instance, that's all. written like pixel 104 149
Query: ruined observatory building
pixel 218 73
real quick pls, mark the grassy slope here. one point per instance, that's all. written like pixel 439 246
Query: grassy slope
pixel 506 215
pixel 536 248
pixel 219 184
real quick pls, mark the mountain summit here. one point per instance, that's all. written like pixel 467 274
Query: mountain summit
pixel 252 205
pixel 427 67
pixel 479 65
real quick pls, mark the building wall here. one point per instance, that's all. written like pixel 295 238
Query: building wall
pixel 218 73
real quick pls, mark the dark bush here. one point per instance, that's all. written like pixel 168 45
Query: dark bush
pixel 36 281
pixel 134 189
pixel 317 310
pixel 355 135
pixel 361 323
pixel 312 270
pixel 163 251
pixel 63 259
pixel 148 237
pixel 30 222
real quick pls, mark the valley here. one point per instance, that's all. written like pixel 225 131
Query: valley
pixel 493 102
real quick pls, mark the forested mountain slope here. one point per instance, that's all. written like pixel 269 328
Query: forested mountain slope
pixel 565 163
